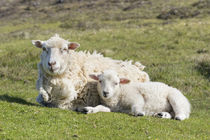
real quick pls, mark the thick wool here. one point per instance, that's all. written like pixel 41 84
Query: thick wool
pixel 149 98
pixel 73 87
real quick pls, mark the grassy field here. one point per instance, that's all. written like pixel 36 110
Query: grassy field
pixel 171 38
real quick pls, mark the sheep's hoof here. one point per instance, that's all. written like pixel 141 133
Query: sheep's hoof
pixel 41 100
pixel 160 115
pixel 84 110
pixel 164 115
pixel 139 114
pixel 177 118
pixel 180 117
pixel 45 97
pixel 87 110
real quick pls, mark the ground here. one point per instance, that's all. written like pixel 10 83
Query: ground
pixel 171 38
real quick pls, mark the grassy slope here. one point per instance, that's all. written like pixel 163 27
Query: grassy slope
pixel 175 51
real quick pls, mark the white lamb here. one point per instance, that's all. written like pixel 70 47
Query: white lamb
pixel 64 80
pixel 139 99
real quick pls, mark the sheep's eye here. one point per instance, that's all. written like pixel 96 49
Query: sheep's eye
pixel 65 49
pixel 100 81
pixel 116 83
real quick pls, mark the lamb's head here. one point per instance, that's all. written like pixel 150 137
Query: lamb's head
pixel 55 54
pixel 108 83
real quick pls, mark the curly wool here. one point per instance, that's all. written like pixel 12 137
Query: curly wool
pixel 74 87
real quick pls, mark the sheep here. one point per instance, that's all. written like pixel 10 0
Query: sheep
pixel 139 99
pixel 63 79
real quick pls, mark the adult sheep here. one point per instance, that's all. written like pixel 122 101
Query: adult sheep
pixel 63 79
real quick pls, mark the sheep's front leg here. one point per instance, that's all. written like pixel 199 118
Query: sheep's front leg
pixel 137 106
pixel 99 108
pixel 43 96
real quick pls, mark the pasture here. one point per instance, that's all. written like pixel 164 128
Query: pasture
pixel 171 38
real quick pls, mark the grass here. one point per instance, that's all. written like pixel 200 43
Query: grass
pixel 175 51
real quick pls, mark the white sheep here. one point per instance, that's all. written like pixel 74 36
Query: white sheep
pixel 63 79
pixel 139 99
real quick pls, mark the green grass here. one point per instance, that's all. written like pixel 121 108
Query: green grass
pixel 175 51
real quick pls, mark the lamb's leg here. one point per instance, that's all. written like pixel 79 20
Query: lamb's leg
pixel 165 115
pixel 98 108
pixel 137 107
pixel 180 104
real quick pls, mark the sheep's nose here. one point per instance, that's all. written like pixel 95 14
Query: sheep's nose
pixel 105 93
pixel 51 63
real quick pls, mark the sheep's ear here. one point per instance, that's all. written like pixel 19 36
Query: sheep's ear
pixel 95 77
pixel 37 43
pixel 124 81
pixel 73 45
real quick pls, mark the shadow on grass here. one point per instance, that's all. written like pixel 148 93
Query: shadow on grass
pixel 15 100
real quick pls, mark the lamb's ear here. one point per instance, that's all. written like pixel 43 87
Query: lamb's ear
pixel 73 45
pixel 93 76
pixel 124 81
pixel 37 43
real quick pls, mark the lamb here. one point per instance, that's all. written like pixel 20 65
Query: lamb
pixel 139 99
pixel 64 80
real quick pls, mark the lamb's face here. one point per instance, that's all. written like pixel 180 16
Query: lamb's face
pixel 55 54
pixel 108 83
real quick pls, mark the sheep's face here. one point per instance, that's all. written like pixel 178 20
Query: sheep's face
pixel 53 60
pixel 55 54
pixel 108 83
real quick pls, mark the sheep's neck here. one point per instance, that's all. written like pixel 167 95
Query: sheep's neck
pixel 48 76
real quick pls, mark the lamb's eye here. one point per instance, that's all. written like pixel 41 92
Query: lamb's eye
pixel 116 83
pixel 100 81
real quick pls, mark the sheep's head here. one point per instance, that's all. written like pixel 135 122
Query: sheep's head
pixel 108 83
pixel 55 54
